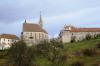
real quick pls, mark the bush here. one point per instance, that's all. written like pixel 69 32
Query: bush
pixel 52 51
pixel 3 53
pixel 89 52
pixel 77 63
pixel 97 63
pixel 20 54
pixel 88 37
pixel 98 45
pixel 98 35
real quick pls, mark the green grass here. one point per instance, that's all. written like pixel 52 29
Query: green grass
pixel 71 48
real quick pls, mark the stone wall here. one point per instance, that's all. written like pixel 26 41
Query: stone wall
pixel 34 37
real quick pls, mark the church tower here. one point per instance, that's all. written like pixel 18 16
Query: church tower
pixel 41 21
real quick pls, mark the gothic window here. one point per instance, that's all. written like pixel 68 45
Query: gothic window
pixel 72 34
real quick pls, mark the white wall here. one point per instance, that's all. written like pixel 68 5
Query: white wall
pixel 37 37
pixel 6 43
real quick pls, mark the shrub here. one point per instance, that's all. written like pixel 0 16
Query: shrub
pixel 96 63
pixel 52 51
pixel 89 52
pixel 20 54
pixel 77 63
pixel 98 35
pixel 88 37
pixel 98 45
pixel 3 53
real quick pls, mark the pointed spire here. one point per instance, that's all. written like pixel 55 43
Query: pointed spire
pixel 25 21
pixel 40 21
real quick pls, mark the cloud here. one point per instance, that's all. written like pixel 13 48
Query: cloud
pixel 55 14
pixel 81 16
pixel 13 28
pixel 87 17
pixel 14 10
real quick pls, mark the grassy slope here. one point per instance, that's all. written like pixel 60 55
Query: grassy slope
pixel 71 48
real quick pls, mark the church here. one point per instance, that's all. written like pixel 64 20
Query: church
pixel 33 33
pixel 70 32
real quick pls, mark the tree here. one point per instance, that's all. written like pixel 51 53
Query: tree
pixel 89 52
pixel 88 37
pixel 20 54
pixel 53 51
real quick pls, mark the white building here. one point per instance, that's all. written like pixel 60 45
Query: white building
pixel 34 33
pixel 70 32
pixel 6 40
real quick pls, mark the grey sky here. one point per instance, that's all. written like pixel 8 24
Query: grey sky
pixel 55 13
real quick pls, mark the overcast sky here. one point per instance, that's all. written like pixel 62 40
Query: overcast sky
pixel 55 13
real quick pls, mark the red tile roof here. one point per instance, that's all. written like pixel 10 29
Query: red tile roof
pixel 9 36
pixel 85 30
pixel 29 27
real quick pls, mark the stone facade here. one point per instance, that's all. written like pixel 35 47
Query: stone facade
pixel 70 32
pixel 32 38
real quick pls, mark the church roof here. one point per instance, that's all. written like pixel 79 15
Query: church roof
pixel 29 27
pixel 8 36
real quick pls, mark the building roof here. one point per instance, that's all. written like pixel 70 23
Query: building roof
pixel 85 30
pixel 29 27
pixel 8 36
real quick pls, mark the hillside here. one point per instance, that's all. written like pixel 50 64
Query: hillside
pixel 73 52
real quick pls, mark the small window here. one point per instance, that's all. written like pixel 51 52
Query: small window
pixel 72 33
pixel 31 37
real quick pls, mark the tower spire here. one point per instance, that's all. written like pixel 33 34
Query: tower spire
pixel 40 20
pixel 25 21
